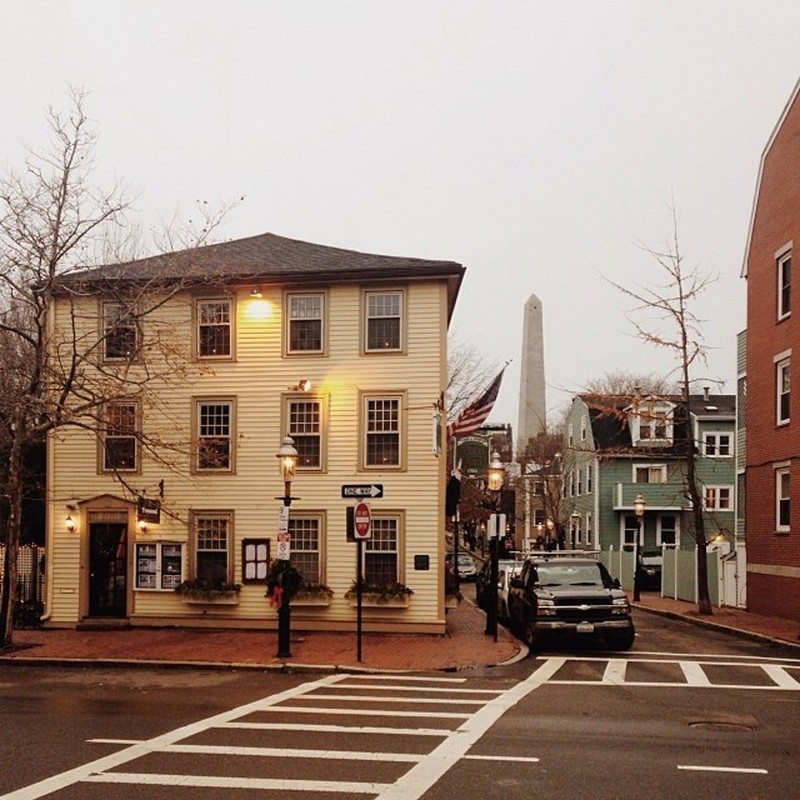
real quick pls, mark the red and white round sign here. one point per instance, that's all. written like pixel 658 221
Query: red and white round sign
pixel 363 520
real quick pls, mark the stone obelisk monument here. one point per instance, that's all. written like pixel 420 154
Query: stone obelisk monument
pixel 532 410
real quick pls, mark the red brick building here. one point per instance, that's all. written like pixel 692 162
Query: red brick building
pixel 772 476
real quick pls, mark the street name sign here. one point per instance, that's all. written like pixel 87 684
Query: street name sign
pixel 358 490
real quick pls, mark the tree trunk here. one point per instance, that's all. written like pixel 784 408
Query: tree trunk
pixel 12 539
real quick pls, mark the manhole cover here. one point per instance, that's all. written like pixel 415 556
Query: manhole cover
pixel 725 722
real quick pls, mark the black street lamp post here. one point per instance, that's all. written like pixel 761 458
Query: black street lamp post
pixel 287 455
pixel 495 476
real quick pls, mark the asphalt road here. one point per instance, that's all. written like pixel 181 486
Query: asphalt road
pixel 687 713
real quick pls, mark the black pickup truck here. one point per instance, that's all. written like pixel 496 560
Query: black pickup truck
pixel 569 596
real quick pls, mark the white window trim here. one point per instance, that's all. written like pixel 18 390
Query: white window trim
pixel 588 527
pixel 399 519
pixel 198 515
pixel 322 435
pixel 321 548
pixel 104 467
pixel 158 575
pixel 199 301
pixel 366 398
pixel 652 410
pixel 622 528
pixel 716 489
pixel 717 434
pixel 366 319
pixel 781 257
pixel 648 466
pixel 782 362
pixel 214 401
pixel 780 470
pixel 322 319
pixel 659 540
pixel 108 308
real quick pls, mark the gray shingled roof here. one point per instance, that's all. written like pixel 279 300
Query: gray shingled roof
pixel 267 259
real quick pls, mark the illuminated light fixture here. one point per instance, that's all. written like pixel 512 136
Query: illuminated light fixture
pixel 255 293
pixel 302 386
pixel 142 525
pixel 495 474
pixel 69 524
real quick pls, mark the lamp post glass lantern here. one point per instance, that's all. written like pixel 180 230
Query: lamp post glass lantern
pixel 287 456
pixel 638 509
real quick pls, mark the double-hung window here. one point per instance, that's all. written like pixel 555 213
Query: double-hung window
pixel 306 537
pixel 383 320
pixel 719 498
pixel 382 552
pixel 667 530
pixel 649 473
pixel 655 422
pixel 784 262
pixel 120 332
pixel 304 425
pixel 214 421
pixel 717 445
pixel 382 431
pixel 630 530
pixel 212 548
pixel 782 499
pixel 214 328
pixel 783 390
pixel 120 437
pixel 305 323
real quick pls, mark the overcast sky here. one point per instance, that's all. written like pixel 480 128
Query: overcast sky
pixel 536 143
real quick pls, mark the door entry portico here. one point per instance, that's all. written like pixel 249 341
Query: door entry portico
pixel 108 569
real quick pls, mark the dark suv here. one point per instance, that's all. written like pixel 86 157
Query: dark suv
pixel 569 595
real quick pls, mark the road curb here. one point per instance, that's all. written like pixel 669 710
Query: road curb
pixel 719 626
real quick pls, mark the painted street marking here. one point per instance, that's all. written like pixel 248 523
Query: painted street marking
pixel 286 752
pixel 366 712
pixel 418 780
pixel 447 689
pixel 280 726
pixel 724 769
pixel 525 759
pixel 694 672
pixel 366 698
pixel 214 782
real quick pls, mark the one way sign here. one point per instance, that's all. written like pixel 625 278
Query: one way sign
pixel 359 490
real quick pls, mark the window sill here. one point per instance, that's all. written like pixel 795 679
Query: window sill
pixel 319 600
pixel 226 599
pixel 375 601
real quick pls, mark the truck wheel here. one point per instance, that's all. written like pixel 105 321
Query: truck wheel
pixel 529 635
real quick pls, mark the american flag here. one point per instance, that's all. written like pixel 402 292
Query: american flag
pixel 474 415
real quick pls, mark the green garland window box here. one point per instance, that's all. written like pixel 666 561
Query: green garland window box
pixel 380 595
pixel 196 592
pixel 299 591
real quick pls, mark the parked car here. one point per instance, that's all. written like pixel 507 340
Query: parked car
pixel 467 571
pixel 650 570
pixel 483 579
pixel 504 578
pixel 569 595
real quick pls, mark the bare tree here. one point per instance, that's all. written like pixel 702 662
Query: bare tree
pixel 543 459
pixel 681 335
pixel 629 383
pixel 468 372
pixel 53 225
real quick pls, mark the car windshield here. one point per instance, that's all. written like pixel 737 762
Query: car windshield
pixel 569 575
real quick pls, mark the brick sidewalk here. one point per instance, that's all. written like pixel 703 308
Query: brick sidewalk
pixel 464 645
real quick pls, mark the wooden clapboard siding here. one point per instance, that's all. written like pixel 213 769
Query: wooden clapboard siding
pixel 258 379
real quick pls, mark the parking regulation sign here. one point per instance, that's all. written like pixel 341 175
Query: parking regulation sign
pixel 363 521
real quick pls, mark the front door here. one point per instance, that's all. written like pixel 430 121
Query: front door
pixel 108 569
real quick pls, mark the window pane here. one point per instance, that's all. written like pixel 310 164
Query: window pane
pixel 383 321
pixel 214 328
pixel 305 323
pixel 120 438
pixel 212 550
pixel 383 437
pixel 305 545
pixel 305 429
pixel 120 332
pixel 214 436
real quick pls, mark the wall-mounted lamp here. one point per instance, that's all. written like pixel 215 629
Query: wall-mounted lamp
pixel 301 386
pixel 255 293
pixel 70 524
pixel 142 525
